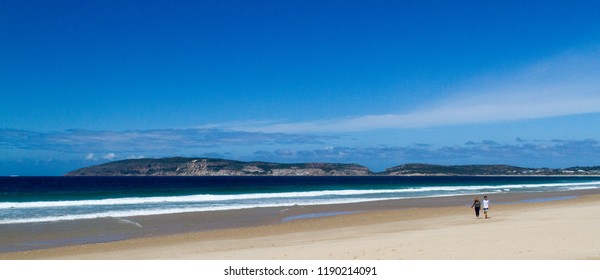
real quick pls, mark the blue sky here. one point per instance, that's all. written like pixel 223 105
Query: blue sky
pixel 379 83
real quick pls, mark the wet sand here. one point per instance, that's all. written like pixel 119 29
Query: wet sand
pixel 558 225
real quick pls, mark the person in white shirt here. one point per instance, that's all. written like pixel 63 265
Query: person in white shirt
pixel 486 206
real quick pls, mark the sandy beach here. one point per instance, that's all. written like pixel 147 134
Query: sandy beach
pixel 559 226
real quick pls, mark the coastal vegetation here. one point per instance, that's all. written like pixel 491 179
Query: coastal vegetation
pixel 181 166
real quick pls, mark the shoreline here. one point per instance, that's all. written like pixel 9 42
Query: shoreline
pixel 168 236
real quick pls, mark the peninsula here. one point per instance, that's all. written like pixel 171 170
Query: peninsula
pixel 181 166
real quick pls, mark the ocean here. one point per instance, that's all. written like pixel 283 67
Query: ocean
pixel 26 200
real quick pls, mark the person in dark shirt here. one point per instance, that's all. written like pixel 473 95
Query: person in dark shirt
pixel 477 206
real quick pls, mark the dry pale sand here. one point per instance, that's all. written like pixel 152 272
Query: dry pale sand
pixel 566 229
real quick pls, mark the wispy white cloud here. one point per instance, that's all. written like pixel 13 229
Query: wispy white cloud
pixel 110 156
pixel 136 142
pixel 136 156
pixel 564 85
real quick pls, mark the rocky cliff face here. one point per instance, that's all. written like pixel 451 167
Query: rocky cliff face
pixel 217 167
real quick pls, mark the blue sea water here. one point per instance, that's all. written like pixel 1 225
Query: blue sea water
pixel 48 199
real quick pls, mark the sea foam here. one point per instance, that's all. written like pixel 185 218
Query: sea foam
pixel 50 211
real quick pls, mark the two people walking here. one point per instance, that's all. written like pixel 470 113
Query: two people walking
pixel 477 206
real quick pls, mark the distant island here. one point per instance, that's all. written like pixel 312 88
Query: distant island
pixel 181 166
